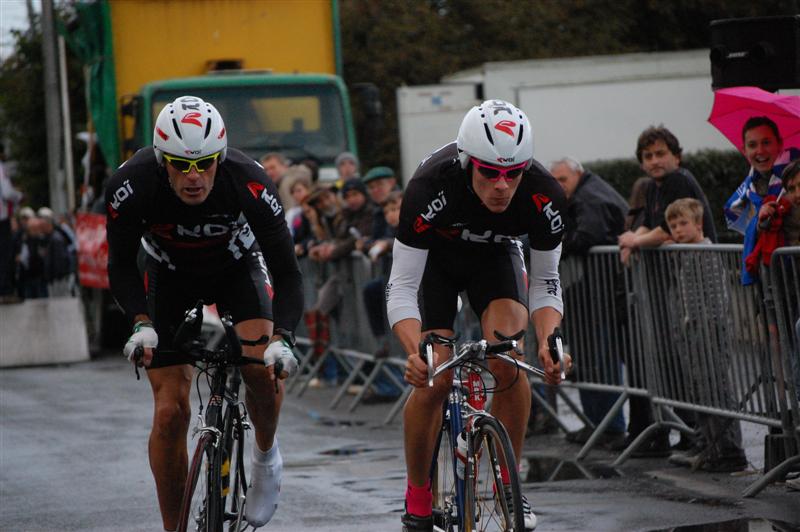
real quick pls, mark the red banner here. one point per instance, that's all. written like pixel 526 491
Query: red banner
pixel 92 250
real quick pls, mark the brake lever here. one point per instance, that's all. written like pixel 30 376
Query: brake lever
pixel 429 361
pixel 556 347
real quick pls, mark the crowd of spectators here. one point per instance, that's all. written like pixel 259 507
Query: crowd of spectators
pixel 38 250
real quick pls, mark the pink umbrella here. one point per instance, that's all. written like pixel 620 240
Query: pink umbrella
pixel 733 106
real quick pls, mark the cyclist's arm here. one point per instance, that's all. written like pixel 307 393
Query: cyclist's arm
pixel 408 265
pixel 124 229
pixel 546 304
pixel 266 218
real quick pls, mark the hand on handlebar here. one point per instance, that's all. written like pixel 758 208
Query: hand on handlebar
pixel 279 355
pixel 139 347
pixel 416 371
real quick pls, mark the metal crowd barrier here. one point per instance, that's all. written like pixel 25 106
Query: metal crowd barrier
pixel 691 337
pixel 676 328
pixel 598 299
pixel 352 344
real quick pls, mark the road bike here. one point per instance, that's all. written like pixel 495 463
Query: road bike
pixel 215 493
pixel 473 449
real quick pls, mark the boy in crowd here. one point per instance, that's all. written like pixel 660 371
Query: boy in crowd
pixel 719 447
pixel 374 301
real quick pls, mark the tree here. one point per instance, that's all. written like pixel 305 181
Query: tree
pixel 397 42
pixel 22 119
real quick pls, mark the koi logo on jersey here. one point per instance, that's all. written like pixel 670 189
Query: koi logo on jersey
pixel 435 206
pixel 544 205
pixel 259 190
pixel 120 195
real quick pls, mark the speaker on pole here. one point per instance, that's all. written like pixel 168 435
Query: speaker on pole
pixel 760 51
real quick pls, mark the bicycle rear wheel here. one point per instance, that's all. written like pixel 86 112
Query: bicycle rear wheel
pixel 201 506
pixel 443 484
pixel 489 508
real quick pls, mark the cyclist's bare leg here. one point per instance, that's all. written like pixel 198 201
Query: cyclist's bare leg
pixel 263 404
pixel 422 419
pixel 167 446
pixel 513 405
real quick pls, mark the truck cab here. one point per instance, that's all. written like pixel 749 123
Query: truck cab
pixel 299 115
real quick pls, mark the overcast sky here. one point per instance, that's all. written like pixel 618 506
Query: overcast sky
pixel 13 15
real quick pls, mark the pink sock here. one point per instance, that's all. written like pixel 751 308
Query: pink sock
pixel 419 500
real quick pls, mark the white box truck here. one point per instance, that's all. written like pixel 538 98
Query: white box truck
pixel 591 108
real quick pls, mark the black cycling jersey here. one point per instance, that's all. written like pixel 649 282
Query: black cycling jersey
pixel 439 206
pixel 241 214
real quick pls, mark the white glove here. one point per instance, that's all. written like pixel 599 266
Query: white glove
pixel 280 351
pixel 143 336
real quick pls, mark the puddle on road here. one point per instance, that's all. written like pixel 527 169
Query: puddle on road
pixel 347 451
pixel 736 525
pixel 546 469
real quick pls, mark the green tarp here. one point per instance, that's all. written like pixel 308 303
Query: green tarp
pixel 90 38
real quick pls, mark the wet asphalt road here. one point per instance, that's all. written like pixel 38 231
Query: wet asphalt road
pixel 73 457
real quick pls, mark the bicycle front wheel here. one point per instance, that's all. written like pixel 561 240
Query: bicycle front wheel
pixel 489 507
pixel 201 507
pixel 443 484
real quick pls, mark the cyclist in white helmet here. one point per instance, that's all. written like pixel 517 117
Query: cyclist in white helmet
pixel 211 225
pixel 462 216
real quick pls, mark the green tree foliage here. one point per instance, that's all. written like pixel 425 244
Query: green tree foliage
pixel 399 42
pixel 22 114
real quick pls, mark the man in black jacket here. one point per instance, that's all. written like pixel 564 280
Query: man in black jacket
pixel 595 216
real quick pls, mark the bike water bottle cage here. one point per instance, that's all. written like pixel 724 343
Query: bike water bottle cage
pixel 185 165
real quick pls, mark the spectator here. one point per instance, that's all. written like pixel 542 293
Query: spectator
pixel 33 259
pixel 703 315
pixel 636 202
pixel 19 237
pixel 59 264
pixel 787 218
pixel 312 163
pixel 336 231
pixel 9 199
pixel 659 154
pixel 276 167
pixel 595 216
pixel 380 182
pixel 347 167
pixel 299 188
pixel 375 301
pixel 763 149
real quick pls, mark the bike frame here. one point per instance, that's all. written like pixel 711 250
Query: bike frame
pixel 465 399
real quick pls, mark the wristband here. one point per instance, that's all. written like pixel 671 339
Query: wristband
pixel 143 323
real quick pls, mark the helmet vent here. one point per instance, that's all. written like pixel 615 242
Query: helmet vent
pixel 488 134
pixel 177 129
pixel 519 137
pixel 208 128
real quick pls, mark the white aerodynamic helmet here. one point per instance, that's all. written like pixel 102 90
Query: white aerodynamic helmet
pixel 495 132
pixel 190 128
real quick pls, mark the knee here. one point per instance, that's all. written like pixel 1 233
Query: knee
pixel 171 420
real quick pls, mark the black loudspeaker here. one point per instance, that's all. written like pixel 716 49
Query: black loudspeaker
pixel 760 51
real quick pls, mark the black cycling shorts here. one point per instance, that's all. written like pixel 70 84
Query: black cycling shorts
pixel 244 290
pixel 486 272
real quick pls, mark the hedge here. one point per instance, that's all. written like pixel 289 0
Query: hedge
pixel 719 172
